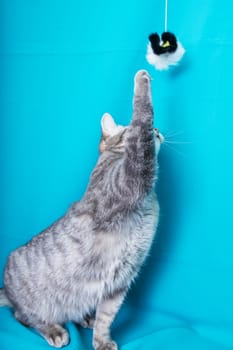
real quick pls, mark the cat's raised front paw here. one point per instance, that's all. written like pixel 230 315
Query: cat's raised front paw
pixel 111 345
pixel 142 75
pixel 142 83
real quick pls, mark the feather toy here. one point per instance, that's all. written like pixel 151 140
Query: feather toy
pixel 165 52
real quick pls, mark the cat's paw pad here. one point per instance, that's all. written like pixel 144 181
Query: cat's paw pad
pixel 111 345
pixel 142 83
pixel 58 337
pixel 142 76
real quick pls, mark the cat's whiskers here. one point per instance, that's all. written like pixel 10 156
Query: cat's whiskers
pixel 173 133
pixel 166 144
pixel 177 142
pixel 169 138
pixel 169 142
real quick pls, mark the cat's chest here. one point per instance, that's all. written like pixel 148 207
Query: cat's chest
pixel 124 251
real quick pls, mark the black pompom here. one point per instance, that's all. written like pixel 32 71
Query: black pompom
pixel 155 43
pixel 169 37
pixel 165 51
pixel 168 45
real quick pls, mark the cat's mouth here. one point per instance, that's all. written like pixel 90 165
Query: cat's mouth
pixel 159 135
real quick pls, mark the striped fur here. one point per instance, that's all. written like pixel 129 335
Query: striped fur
pixel 80 268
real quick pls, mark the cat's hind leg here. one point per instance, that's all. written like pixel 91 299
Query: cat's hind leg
pixel 55 334
pixel 22 319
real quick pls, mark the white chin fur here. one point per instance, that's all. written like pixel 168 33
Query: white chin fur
pixel 157 146
pixel 163 61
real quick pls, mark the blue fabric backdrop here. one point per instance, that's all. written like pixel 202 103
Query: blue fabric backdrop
pixel 62 65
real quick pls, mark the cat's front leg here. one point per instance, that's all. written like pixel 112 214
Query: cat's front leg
pixel 105 315
pixel 142 90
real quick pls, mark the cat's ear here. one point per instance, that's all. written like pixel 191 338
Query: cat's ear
pixel 109 127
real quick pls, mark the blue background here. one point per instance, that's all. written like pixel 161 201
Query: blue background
pixel 62 65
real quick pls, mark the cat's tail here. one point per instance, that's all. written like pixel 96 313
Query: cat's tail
pixel 4 301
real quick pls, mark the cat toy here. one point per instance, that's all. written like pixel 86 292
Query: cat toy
pixel 165 51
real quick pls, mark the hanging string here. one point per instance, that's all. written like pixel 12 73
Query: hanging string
pixel 165 17
pixel 164 51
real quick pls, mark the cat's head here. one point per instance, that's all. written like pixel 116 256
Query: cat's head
pixel 113 136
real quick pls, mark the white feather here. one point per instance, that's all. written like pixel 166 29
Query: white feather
pixel 164 61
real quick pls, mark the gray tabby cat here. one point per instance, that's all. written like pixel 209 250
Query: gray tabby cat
pixel 80 268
